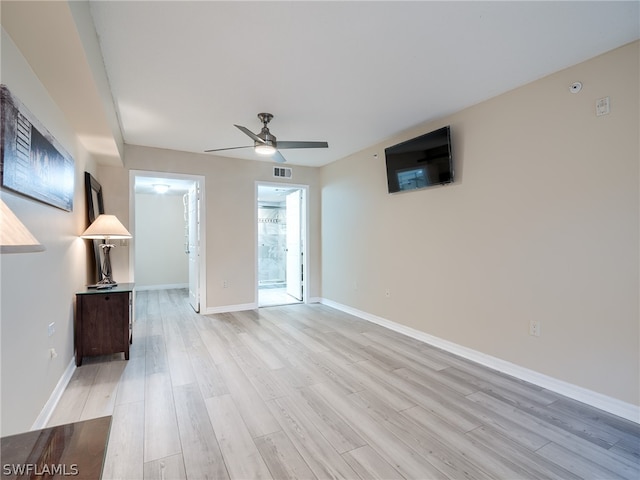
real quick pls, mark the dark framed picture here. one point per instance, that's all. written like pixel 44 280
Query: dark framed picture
pixel 95 207
pixel 32 162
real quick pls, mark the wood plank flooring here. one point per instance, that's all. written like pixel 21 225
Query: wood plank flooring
pixel 305 391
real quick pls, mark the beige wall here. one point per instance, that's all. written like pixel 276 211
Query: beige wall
pixel 39 288
pixel 160 258
pixel 540 224
pixel 230 215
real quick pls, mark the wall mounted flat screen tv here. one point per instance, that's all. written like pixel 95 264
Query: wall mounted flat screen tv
pixel 420 162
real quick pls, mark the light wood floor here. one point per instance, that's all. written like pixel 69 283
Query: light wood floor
pixel 305 391
pixel 270 297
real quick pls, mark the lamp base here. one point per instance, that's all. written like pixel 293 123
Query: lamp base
pixel 107 275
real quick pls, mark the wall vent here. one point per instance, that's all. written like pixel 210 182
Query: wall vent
pixel 282 172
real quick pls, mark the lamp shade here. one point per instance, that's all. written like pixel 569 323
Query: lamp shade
pixel 14 236
pixel 106 226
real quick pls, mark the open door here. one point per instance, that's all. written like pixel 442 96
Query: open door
pixel 193 245
pixel 295 258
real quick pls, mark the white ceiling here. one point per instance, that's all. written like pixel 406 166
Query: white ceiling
pixel 350 73
pixel 181 73
pixel 177 186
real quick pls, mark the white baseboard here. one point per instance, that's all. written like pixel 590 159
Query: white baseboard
pixel 230 308
pixel 168 286
pixel 50 406
pixel 595 399
pixel 244 306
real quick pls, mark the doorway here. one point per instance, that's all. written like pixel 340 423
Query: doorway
pixel 281 244
pixel 168 245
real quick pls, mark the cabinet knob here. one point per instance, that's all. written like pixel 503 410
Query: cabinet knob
pixel 106 298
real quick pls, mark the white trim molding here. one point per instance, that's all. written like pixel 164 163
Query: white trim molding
pixel 598 400
pixel 52 403
pixel 230 308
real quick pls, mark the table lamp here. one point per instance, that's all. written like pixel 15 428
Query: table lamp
pixel 14 236
pixel 106 227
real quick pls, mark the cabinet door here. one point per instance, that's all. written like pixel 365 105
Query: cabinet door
pixel 105 321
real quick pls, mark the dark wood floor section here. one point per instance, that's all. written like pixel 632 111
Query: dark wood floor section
pixel 306 391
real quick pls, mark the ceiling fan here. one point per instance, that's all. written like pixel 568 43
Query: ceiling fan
pixel 265 143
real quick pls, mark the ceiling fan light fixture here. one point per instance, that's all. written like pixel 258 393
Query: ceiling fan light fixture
pixel 265 149
pixel 264 143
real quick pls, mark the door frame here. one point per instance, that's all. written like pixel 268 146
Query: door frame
pixel 294 254
pixel 305 237
pixel 199 179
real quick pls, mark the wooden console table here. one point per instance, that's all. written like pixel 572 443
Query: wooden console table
pixel 103 321
pixel 75 450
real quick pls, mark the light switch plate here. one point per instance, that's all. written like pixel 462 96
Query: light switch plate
pixel 602 106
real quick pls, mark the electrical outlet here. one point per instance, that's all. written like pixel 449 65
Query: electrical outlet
pixel 534 328
pixel 225 284
pixel 52 328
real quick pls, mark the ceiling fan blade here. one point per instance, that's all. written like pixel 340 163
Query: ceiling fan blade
pixel 277 157
pixel 282 144
pixel 246 131
pixel 230 148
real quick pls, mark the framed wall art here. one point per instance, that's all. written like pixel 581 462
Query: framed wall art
pixel 32 162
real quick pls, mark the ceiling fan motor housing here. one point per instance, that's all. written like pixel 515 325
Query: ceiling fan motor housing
pixel 267 137
pixel 264 134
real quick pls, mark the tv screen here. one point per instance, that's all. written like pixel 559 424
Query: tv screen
pixel 420 162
